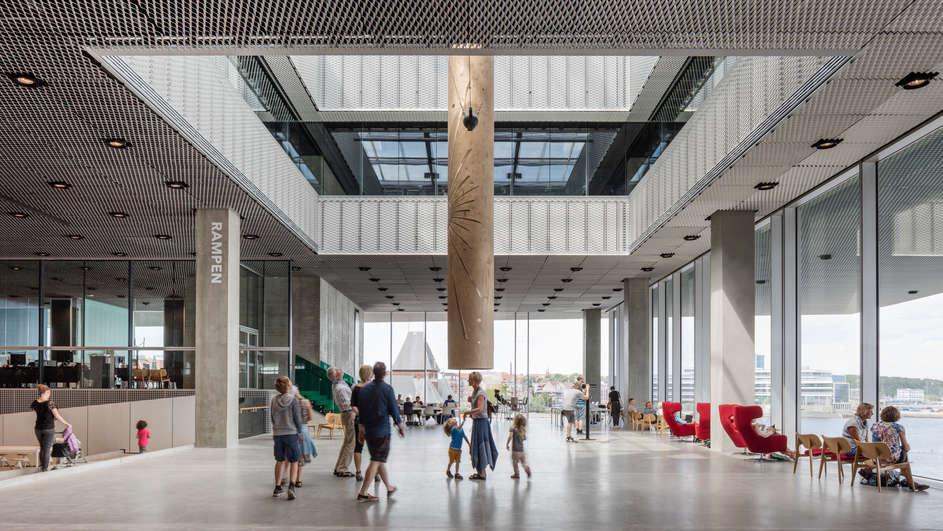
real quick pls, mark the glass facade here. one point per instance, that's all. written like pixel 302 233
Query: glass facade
pixel 762 323
pixel 687 338
pixel 655 341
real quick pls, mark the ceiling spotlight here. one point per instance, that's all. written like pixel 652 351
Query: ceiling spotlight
pixel 763 186
pixel 162 236
pixel 470 121
pixel 176 185
pixel 606 297
pixel 364 268
pixel 296 268
pixel 400 310
pixel 499 290
pixel 437 279
pixel 26 79
pixel 761 282
pixel 118 215
pixel 274 254
pixel 435 269
pixel 382 289
pixel 155 268
pixel 90 288
pixel 19 215
pixel 85 268
pixel 912 292
pixel 540 310
pixel 566 280
pixel 443 297
pixel 648 269
pixel 389 296
pixel 576 269
pixel 545 304
pixel 120 296
pixel 145 303
pixel 74 236
pixel 374 279
pixel 825 256
pixel 666 255
pixel 916 80
pixel 502 280
pixel 692 237
pixel 250 236
pixel 497 304
pixel 616 289
pixel 552 297
pixel 558 290
pixel 41 254
pixel 59 185
pixel 440 289
pixel 15 268
pixel 498 297
pixel 505 268
pixel 121 279
pixel 117 143
pixel 597 304
pixel 119 254
pixel 827 143
pixel 395 304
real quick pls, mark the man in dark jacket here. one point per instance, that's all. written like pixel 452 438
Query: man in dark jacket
pixel 376 403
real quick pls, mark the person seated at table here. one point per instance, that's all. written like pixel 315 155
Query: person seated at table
pixel 890 432
pixel 417 409
pixel 647 409
pixel 447 407
pixel 407 410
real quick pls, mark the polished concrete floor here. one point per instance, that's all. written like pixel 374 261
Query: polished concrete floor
pixel 619 481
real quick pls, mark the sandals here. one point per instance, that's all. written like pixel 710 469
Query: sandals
pixel 459 476
pixel 515 476
pixel 359 476
pixel 389 492
pixel 448 474
pixel 343 474
pixel 477 477
pixel 367 498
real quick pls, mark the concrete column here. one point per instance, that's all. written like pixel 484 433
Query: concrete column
pixel 732 315
pixel 217 328
pixel 638 336
pixel 471 213
pixel 592 351
pixel 306 317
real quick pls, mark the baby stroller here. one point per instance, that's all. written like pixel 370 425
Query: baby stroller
pixel 69 451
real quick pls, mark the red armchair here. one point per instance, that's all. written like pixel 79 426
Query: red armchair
pixel 702 430
pixel 668 410
pixel 743 419
pixel 727 421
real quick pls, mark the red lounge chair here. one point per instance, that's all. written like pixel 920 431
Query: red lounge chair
pixel 668 410
pixel 743 418
pixel 702 430
pixel 726 420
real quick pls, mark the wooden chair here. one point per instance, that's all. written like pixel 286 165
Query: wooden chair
pixel 153 377
pixel 332 421
pixel 661 426
pixel 835 449
pixel 810 442
pixel 648 421
pixel 634 419
pixel 139 377
pixel 878 456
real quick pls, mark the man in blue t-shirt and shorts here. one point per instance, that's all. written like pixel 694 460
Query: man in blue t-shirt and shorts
pixel 376 403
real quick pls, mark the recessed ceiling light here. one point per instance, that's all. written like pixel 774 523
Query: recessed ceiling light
pixel 162 236
pixel 440 289
pixel 435 269
pixel 552 297
pixel 119 254
pixel 437 279
pixel 912 292
pixel 764 186
pixel 26 79
pixel 120 279
pixel 374 279
pixel 692 237
pixel 176 185
pixel 275 254
pixel 606 297
pixel 498 297
pixel 90 288
pixel 825 256
pixel 916 80
pixel 59 185
pixel 499 290
pixel 505 268
pixel 761 281
pixel 666 255
pixel 296 268
pixel 149 288
pixel 19 215
pixel 364 268
pixel 85 268
pixel 576 269
pixel 827 143
pixel 155 268
pixel 250 236
pixel 92 295
pixel 382 289
pixel 15 268
pixel 502 280
pixel 395 304
pixel 116 143
pixel 74 236
pixel 648 268
pixel 566 280
pixel 497 304
pixel 118 215
pixel 545 304
pixel 616 289
pixel 41 254
pixel 443 297
pixel 400 310
pixel 597 304
pixel 120 296
pixel 145 303
pixel 558 290
pixel 540 309
pixel 389 296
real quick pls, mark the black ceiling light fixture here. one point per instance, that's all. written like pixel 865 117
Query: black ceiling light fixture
pixel 825 256
pixel 540 310
pixel 250 236
pixel 363 268
pixel 120 295
pixel 440 289
pixel 761 281
pixel 498 297
pixel 912 292
pixel 666 255
pixel 400 310
pixel 558 290
pixel 176 185
pixel 15 268
pixel 505 268
pixel 606 297
pixel 395 303
pixel 374 279
pixel 275 254
pixel 617 289
pixel 692 237
pixel 566 280
pixel 119 215
pixel 59 185
pixel 764 186
pixel 545 304
pixel 597 304
pixel 827 143
pixel 916 80
pixel 552 297
pixel 438 279
pixel 502 280
pixel 75 236
pixel 499 290
pixel 443 297
pixel 435 269
pixel 18 215
pixel 648 269
pixel 576 269
pixel 162 236
pixel 116 142
pixel 389 296
pixel 26 79
pixel 382 289
pixel 119 254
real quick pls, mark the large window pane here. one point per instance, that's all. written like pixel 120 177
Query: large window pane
pixel 667 288
pixel 829 306
pixel 687 338
pixel 762 323
pixel 164 295
pixel 910 247
pixel 656 322
pixel 19 322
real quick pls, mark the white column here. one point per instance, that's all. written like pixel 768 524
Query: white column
pixel 732 316
pixel 217 328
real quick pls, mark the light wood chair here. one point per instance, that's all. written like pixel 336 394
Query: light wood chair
pixel 810 442
pixel 332 421
pixel 648 421
pixel 878 456
pixel 634 419
pixel 661 426
pixel 834 449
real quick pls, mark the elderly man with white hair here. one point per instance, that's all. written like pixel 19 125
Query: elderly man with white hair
pixel 341 392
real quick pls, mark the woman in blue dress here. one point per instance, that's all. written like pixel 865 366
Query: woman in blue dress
pixel 484 452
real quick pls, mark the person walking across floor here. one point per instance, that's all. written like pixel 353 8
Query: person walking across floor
pixel 366 374
pixel 341 394
pixel 376 403
pixel 287 426
pixel 308 450
pixel 614 406
pixel 45 427
pixel 515 443
pixel 484 452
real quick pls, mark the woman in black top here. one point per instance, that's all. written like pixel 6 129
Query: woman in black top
pixel 46 416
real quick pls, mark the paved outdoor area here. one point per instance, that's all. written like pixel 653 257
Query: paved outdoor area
pixel 620 481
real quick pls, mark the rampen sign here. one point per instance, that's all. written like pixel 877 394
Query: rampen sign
pixel 216 252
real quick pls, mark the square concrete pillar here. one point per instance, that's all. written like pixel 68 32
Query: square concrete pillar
pixel 731 316
pixel 306 317
pixel 638 324
pixel 592 351
pixel 217 328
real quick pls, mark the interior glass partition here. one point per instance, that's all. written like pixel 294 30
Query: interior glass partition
pixel 687 315
pixel 762 322
pixel 910 295
pixel 666 291
pixel 655 340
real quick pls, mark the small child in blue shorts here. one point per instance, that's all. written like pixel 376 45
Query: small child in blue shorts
pixel 454 430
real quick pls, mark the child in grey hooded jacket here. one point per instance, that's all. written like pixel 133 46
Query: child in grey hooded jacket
pixel 287 426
